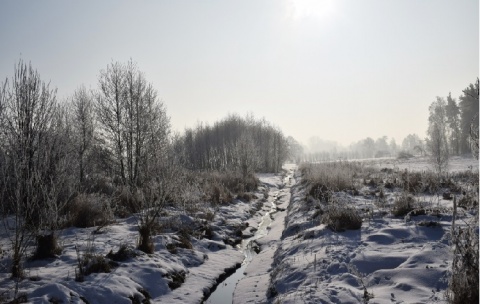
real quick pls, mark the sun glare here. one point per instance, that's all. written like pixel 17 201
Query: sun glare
pixel 310 9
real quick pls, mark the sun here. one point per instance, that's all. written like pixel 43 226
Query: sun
pixel 310 9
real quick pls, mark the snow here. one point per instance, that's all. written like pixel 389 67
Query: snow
pixel 455 163
pixel 54 279
pixel 394 258
pixel 301 260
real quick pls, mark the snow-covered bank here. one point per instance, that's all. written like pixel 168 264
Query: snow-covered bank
pixel 389 260
pixel 177 271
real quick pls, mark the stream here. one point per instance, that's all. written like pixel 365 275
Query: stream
pixel 224 291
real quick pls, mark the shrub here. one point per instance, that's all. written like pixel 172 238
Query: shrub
pixel 90 262
pixel 320 192
pixel 339 217
pixel 219 194
pixel 246 196
pixel 403 205
pixel 335 176
pixel 88 210
pixel 429 224
pixel 182 241
pixel 464 282
pixel 126 203
pixel 47 247
pixel 142 297
pixel 98 184
pixel 412 181
pixel 124 253
pixel 97 264
pixel 468 201
pixel 404 155
pixel 447 195
pixel 20 298
pixel 176 279
pixel 220 187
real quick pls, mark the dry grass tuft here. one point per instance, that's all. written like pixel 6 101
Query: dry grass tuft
pixel 339 217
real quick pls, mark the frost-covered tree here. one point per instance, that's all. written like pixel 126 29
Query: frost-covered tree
pixel 246 155
pixel 133 120
pixel 27 128
pixel 295 150
pixel 453 121
pixel 437 141
pixel 381 147
pixel 393 146
pixel 217 147
pixel 368 147
pixel 413 144
pixel 83 124
pixel 469 107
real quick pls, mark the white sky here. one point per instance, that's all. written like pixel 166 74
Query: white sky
pixel 341 69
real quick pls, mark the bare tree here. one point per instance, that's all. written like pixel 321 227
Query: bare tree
pixel 133 120
pixel 217 147
pixel 58 184
pixel 246 155
pixel 29 106
pixel 83 124
pixel 110 108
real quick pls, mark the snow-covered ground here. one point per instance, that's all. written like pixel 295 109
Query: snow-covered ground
pixel 455 163
pixel 143 275
pixel 389 260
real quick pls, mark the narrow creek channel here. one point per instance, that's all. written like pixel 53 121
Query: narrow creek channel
pixel 224 291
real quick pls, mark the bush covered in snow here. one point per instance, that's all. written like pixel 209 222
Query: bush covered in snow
pixel 340 217
pixel 332 176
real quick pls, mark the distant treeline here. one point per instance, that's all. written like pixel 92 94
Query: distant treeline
pixel 453 130
pixel 234 143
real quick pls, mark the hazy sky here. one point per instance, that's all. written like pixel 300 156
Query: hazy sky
pixel 339 70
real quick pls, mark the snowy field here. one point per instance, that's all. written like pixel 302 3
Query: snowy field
pixel 391 259
pixel 455 164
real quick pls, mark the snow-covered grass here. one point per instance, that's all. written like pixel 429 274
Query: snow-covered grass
pixel 305 257
pixel 390 259
pixel 455 163
pixel 192 250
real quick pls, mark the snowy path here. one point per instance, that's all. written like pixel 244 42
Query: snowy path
pixel 253 287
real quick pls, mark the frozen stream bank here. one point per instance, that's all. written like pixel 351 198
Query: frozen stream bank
pixel 250 282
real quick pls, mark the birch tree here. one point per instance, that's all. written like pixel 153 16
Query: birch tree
pixel 133 122
pixel 437 135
